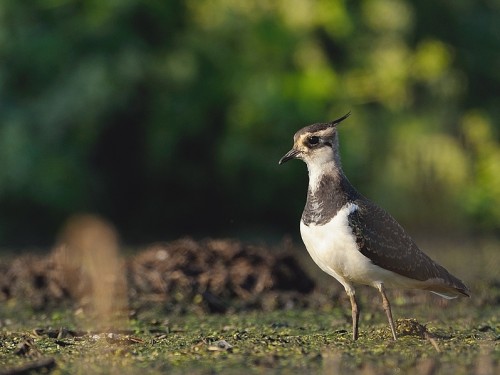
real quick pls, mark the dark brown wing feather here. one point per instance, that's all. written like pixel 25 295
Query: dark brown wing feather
pixel 380 238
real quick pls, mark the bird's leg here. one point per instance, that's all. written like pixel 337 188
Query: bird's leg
pixel 355 313
pixel 387 308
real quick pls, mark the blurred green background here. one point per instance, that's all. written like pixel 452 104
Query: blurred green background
pixel 169 117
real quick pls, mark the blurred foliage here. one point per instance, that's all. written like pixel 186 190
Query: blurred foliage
pixel 168 117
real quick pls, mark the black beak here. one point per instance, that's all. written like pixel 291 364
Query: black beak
pixel 292 154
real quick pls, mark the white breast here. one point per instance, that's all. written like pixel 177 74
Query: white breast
pixel 333 247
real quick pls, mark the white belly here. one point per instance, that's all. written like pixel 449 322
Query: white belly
pixel 333 247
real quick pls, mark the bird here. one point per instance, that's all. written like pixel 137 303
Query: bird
pixel 351 238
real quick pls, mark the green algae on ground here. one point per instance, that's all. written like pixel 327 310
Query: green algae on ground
pixel 258 342
pixel 466 334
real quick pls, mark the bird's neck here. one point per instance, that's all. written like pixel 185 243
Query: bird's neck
pixel 329 190
pixel 318 172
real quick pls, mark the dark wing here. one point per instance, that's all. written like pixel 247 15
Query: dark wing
pixel 381 239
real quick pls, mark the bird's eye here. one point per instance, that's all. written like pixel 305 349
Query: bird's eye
pixel 313 140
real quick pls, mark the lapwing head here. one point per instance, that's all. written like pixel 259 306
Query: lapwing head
pixel 317 143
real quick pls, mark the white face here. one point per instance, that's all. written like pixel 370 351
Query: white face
pixel 318 156
pixel 316 144
pixel 316 147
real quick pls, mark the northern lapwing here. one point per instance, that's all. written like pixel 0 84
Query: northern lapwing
pixel 351 238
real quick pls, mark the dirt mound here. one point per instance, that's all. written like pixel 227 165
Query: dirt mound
pixel 184 275
pixel 218 274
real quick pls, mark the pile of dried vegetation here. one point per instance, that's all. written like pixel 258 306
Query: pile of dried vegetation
pixel 212 275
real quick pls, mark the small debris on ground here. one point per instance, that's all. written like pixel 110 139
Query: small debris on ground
pixel 220 346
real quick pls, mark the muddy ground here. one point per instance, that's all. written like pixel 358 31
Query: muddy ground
pixel 223 306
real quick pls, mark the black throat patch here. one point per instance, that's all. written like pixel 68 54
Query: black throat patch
pixel 332 193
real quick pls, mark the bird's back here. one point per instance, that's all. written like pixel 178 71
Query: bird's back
pixel 382 239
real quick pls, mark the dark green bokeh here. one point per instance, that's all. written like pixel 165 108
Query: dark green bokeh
pixel 169 117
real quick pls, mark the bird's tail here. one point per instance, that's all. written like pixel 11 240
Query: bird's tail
pixel 451 295
pixel 448 286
